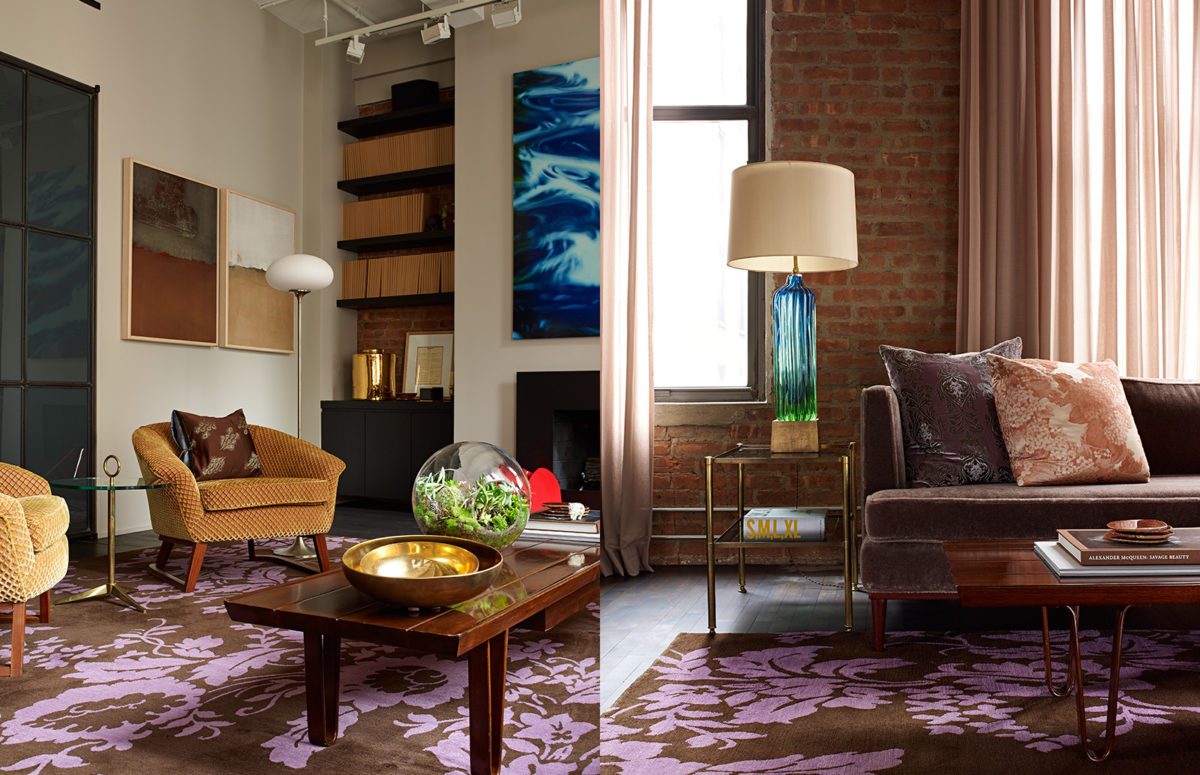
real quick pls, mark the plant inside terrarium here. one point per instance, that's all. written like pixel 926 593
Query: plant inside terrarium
pixel 453 507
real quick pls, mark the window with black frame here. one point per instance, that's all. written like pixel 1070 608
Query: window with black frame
pixel 708 75
pixel 47 276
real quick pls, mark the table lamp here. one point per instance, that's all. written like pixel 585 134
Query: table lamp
pixel 298 274
pixel 793 216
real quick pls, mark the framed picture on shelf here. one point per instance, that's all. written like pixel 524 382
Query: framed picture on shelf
pixel 255 316
pixel 172 237
pixel 428 361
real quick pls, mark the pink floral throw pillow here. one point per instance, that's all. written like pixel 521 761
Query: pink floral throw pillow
pixel 1066 423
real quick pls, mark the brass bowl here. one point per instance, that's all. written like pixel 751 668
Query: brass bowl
pixel 418 571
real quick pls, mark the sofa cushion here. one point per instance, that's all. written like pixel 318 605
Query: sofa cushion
pixel 47 517
pixel 1167 415
pixel 215 447
pixel 1066 423
pixel 951 434
pixel 1007 511
pixel 229 494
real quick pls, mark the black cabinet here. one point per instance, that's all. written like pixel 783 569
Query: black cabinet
pixel 384 443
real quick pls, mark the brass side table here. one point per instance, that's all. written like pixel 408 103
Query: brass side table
pixel 111 484
pixel 733 536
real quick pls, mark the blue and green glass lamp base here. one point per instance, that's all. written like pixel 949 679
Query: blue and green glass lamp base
pixel 794 312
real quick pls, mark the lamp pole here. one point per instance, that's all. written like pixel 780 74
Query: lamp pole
pixel 299 550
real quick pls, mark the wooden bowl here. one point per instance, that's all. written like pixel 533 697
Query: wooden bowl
pixel 1139 526
pixel 419 571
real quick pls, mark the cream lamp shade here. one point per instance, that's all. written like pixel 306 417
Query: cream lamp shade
pixel 792 216
pixel 299 272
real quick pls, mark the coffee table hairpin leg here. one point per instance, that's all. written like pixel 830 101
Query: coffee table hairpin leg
pixel 1075 681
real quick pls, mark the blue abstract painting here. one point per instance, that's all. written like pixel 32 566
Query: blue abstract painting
pixel 556 201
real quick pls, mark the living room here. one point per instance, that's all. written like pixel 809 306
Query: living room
pixel 183 150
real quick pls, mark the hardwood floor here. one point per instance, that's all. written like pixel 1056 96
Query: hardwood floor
pixel 639 617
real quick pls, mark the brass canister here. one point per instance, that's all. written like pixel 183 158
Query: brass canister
pixel 374 375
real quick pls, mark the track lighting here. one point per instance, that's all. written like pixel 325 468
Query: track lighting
pixel 437 32
pixel 355 49
pixel 507 14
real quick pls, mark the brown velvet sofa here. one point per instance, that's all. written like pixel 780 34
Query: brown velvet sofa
pixel 904 527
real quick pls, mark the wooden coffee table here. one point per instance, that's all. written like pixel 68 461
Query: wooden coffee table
pixel 1009 573
pixel 542 583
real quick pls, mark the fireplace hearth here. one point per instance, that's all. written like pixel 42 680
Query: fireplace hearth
pixel 558 427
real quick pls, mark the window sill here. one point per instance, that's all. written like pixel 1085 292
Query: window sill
pixel 668 414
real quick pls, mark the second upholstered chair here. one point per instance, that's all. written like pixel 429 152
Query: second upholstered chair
pixel 295 496
pixel 33 551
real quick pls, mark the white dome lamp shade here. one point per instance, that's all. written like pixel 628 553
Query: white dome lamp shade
pixel 299 274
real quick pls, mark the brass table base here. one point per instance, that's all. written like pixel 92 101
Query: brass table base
pixel 113 591
pixel 1074 682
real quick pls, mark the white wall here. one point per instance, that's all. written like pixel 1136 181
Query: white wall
pixel 486 358
pixel 213 89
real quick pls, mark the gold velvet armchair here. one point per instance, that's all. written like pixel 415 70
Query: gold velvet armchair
pixel 294 497
pixel 33 551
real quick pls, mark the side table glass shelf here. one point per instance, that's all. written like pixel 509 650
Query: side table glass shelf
pixel 733 536
pixel 111 484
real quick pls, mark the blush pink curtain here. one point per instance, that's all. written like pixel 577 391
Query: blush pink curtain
pixel 627 384
pixel 1080 159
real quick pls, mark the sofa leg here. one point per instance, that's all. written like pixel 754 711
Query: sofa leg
pixel 164 554
pixel 322 551
pixel 878 620
pixel 44 607
pixel 194 566
pixel 17 658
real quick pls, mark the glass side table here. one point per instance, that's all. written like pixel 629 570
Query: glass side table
pixel 111 484
pixel 733 536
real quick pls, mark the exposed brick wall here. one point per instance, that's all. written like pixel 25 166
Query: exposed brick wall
pixel 385 329
pixel 871 85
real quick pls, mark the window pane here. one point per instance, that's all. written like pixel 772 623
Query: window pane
pixel 11 110
pixel 700 326
pixel 60 194
pixel 10 425
pixel 56 432
pixel 58 316
pixel 699 52
pixel 10 304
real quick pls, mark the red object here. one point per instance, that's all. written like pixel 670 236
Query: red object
pixel 545 488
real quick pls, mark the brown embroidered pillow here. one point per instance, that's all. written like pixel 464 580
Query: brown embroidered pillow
pixel 215 447
pixel 948 415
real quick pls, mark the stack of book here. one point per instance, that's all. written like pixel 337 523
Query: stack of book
pixel 544 526
pixel 1093 553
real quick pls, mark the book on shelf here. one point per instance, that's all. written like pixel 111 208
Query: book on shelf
pixel 1064 565
pixel 588 523
pixel 1089 548
pixel 784 524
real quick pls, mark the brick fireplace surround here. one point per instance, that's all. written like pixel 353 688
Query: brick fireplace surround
pixel 872 85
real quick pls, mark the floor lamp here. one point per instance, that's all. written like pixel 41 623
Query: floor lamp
pixel 793 216
pixel 299 274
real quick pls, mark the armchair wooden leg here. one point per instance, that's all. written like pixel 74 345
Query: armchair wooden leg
pixel 17 657
pixel 44 607
pixel 878 621
pixel 322 551
pixel 193 572
pixel 194 566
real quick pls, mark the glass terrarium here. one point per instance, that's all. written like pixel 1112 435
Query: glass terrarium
pixel 472 490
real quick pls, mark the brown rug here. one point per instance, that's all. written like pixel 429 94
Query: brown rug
pixel 931 703
pixel 183 689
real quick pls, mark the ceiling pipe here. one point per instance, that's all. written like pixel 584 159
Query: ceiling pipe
pixel 405 21
pixel 350 9
pixel 262 6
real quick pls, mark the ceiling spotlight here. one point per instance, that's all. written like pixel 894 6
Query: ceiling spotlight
pixel 355 49
pixel 506 14
pixel 435 33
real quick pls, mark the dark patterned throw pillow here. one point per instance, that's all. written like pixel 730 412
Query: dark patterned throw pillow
pixel 215 447
pixel 948 414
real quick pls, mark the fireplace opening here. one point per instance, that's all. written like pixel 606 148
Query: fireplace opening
pixel 558 427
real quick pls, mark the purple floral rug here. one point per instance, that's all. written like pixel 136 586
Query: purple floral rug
pixel 932 702
pixel 183 689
